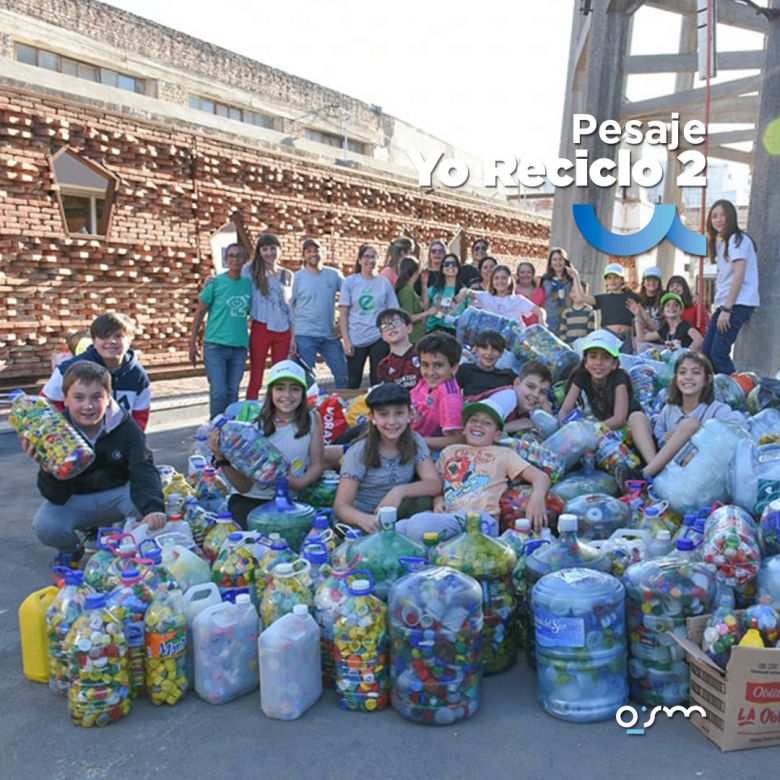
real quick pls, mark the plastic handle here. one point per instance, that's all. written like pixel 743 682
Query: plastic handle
pixel 200 592
pixel 360 574
pixel 145 544
pixel 412 564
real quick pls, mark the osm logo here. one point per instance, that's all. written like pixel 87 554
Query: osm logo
pixel 665 223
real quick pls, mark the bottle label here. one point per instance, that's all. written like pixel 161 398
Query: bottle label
pixel 168 645
pixel 134 630
pixel 555 631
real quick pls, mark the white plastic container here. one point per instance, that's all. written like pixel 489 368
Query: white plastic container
pixel 193 602
pixel 224 638
pixel 184 566
pixel 290 666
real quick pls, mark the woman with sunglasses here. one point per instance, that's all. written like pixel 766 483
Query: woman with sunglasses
pixel 447 297
pixel 430 275
pixel 363 296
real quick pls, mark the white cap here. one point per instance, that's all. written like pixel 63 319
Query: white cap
pixel 283 570
pixel 299 609
pixel 567 523
pixel 243 598
pixel 663 535
pixel 522 524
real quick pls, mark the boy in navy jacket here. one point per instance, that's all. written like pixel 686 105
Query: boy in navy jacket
pixel 122 480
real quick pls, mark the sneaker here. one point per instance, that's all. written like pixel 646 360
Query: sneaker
pixel 624 473
pixel 69 560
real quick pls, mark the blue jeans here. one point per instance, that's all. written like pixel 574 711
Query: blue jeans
pixel 331 351
pixel 224 369
pixel 717 346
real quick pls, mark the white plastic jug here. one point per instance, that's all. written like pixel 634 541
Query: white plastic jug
pixel 224 639
pixel 290 665
pixel 193 602
pixel 184 566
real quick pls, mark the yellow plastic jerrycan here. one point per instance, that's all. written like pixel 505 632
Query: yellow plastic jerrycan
pixel 32 627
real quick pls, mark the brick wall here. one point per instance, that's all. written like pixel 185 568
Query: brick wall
pixel 176 188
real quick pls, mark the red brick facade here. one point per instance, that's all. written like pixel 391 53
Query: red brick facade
pixel 176 187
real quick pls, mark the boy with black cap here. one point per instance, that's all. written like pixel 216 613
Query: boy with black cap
pixel 476 473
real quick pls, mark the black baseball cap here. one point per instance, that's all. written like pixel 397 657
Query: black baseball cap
pixel 387 394
pixel 312 242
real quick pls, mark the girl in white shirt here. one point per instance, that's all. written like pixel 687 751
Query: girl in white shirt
pixel 500 300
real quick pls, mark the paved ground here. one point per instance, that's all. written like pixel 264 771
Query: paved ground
pixel 509 737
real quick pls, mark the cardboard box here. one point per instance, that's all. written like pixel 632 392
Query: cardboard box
pixel 743 702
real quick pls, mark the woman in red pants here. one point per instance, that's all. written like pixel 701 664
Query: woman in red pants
pixel 271 314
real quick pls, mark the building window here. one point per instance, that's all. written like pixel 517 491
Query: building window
pixel 331 139
pixel 41 58
pixel 85 191
pixel 230 112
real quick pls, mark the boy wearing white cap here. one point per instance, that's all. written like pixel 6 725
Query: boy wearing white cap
pixel 476 473
pixel 615 304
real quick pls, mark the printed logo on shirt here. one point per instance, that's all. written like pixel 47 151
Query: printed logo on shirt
pixel 238 305
pixel 461 478
pixel 367 303
pixel 116 455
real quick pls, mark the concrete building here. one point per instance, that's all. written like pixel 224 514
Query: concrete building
pixel 130 152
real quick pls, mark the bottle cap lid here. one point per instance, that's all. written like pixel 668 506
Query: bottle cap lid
pixel 95 601
pixel 299 609
pixel 74 577
pixel 224 516
pixel 354 533
pixel 567 523
pixel 315 553
pixel 235 536
pixel 653 511
pixel 130 575
pixel 360 587
pixel 685 544
pixel 283 570
pixel 243 598
pixel 321 520
pixel 522 524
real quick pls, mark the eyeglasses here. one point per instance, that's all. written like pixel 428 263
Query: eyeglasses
pixel 450 264
pixel 368 257
pixel 480 248
pixel 232 255
pixel 391 325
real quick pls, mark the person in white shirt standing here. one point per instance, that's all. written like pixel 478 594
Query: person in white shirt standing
pixel 736 286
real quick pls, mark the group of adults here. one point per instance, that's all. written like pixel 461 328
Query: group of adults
pixel 295 313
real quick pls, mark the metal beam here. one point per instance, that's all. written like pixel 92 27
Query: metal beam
pixel 675 63
pixel 729 12
pixel 728 110
pixel 691 97
pixel 627 7
pixel 734 155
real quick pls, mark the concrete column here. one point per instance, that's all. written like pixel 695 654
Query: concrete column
pixel 594 86
pixel 758 345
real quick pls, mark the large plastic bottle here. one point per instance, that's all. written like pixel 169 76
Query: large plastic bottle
pixel 212 491
pixel 322 494
pixel 66 607
pixel 252 453
pixel 361 643
pixel 380 553
pixel 491 563
pixel 573 439
pixel 768 581
pixel 581 658
pixel 435 634
pixel 321 532
pixel 730 545
pixel 765 425
pixel 234 569
pixel 754 475
pixel 97 566
pixel 598 515
pixel 660 595
pixel 538 343
pixel 270 551
pixel 224 644
pixel 193 602
pixel 723 630
pixel 584 481
pixel 129 603
pixel 290 676
pixel 32 630
pixel 291 519
pixel 166 647
pixel 97 653
pixel 63 451
pixel 288 587
pixel 698 475
pixel 125 550
pixel 340 555
pixel 186 568
pixel 319 567
pixel 198 519
pixel 769 528
pixel 175 493
pixel 223 526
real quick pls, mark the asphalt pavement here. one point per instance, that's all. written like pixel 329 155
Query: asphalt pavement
pixel 509 737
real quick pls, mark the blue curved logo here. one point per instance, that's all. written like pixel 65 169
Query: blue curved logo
pixel 665 223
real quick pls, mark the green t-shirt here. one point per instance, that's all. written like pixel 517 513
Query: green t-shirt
pixel 228 301
pixel 411 304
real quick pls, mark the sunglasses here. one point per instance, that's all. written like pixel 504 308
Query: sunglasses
pixel 450 264
pixel 480 248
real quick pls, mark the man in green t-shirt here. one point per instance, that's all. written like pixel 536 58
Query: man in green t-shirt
pixel 226 299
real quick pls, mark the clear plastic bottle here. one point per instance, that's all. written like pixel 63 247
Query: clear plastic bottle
pixel 198 519
pixel 281 515
pixel 317 557
pixel 193 602
pixel 290 667
pixel 97 565
pixel 97 651
pixel 223 526
pixel 212 491
pixel 68 604
pixel 361 643
pixel 234 569
pixel 731 545
pixel 340 555
pixel 599 515
pixel 270 551
pixel 166 647
pixel 723 630
pixel 286 589
pixel 581 659
pixel 321 532
pixel 225 649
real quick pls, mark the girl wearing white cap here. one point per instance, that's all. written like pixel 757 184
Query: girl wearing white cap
pixel 288 423
pixel 615 304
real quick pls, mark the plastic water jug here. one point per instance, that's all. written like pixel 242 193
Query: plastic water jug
pixel 193 602
pixel 249 451
pixel 754 476
pixel 286 589
pixel 573 439
pixel 291 519
pixel 32 629
pixel 598 515
pixel 290 676
pixel 234 569
pixel 730 545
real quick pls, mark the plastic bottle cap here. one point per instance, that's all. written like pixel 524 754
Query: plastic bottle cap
pixel 354 533
pixel 176 518
pixel 652 511
pixel 74 577
pixel 320 521
pixel 95 601
pixel 222 516
pixel 685 544
pixel 360 587
pixel 243 598
pixel 567 523
pixel 315 553
pixel 689 518
pixel 130 575
pixel 235 536
pixel 522 524
pixel 663 535
pixel 298 609
pixel 283 569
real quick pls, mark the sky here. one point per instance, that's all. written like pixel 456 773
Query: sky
pixel 488 78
